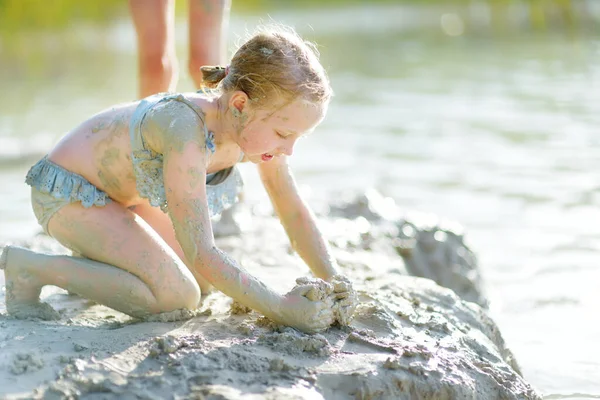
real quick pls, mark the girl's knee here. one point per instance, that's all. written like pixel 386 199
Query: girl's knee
pixel 191 296
pixel 186 296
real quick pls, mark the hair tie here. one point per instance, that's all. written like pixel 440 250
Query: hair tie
pixel 227 70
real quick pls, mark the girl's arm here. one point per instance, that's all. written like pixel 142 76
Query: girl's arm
pixel 296 217
pixel 184 171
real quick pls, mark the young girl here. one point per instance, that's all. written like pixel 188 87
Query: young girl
pixel 131 191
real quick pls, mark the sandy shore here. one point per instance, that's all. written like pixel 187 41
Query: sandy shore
pixel 410 338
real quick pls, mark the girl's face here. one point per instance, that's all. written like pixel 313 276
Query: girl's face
pixel 273 131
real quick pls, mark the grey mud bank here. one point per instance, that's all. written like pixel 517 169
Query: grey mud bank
pixel 411 338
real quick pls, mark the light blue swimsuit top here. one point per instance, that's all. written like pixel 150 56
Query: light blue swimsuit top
pixel 222 187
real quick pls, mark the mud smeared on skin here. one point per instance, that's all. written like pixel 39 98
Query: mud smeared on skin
pixel 195 177
pixel 112 124
pixel 173 125
pixel 109 180
pixel 109 153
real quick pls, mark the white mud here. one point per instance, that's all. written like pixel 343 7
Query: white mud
pixel 408 339
pixel 238 308
pixel 341 292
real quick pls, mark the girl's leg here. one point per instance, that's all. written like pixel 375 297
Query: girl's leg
pixel 127 266
pixel 157 59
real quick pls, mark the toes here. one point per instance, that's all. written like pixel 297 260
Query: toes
pixel 36 310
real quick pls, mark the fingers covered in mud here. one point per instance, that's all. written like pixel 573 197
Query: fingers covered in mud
pixel 337 299
pixel 304 314
pixel 314 289
pixel 346 299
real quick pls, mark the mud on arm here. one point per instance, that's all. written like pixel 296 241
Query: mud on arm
pixel 184 171
pixel 296 218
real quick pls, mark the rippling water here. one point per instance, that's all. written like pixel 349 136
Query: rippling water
pixel 498 134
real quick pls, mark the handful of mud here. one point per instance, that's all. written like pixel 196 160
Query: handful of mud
pixel 339 290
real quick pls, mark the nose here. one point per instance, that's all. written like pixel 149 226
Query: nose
pixel 288 151
pixel 288 147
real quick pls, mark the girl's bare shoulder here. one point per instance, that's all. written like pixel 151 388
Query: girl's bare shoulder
pixel 173 123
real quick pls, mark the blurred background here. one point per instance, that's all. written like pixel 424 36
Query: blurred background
pixel 486 112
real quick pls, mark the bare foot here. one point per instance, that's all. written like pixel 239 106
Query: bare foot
pixel 22 289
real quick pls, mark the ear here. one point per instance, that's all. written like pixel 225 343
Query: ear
pixel 238 100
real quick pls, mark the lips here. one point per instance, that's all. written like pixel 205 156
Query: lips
pixel 266 157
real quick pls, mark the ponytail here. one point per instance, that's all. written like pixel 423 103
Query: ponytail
pixel 273 61
pixel 212 75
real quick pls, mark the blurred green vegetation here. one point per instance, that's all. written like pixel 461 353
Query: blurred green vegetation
pixel 18 15
pixel 25 23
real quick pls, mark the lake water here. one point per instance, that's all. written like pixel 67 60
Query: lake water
pixel 497 133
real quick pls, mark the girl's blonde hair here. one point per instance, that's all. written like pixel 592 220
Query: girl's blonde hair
pixel 274 61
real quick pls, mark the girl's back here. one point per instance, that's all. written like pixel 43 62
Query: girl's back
pixel 99 150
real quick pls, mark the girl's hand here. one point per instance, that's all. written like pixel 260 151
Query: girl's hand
pixel 346 299
pixel 308 308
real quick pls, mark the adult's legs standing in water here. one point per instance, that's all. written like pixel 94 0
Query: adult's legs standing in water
pixel 154 22
pixel 208 23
